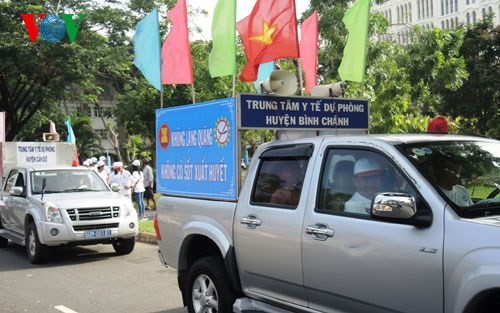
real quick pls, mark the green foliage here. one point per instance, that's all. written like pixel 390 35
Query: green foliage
pixel 404 83
pixel 434 64
pixel 34 76
pixel 88 142
pixel 135 148
pixel 478 99
pixel 252 138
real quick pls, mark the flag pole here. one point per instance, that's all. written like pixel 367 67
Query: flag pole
pixel 234 85
pixel 300 78
pixel 161 83
pixel 192 93
pixel 297 41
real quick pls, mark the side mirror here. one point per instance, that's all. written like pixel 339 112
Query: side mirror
pixel 400 208
pixel 394 205
pixel 17 191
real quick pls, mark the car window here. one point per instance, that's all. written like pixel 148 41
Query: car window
pixel 66 181
pixel 352 178
pixel 279 182
pixel 11 181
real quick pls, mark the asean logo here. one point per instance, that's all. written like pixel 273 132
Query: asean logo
pixel 164 136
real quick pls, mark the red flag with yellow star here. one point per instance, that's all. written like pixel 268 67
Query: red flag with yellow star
pixel 268 33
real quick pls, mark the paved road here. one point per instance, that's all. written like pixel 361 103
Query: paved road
pixel 86 280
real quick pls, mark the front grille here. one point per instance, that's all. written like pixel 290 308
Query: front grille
pixel 91 214
pixel 94 227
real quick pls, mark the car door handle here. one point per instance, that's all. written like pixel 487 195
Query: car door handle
pixel 320 232
pixel 251 221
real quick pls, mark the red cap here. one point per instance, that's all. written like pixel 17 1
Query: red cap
pixel 75 162
pixel 438 125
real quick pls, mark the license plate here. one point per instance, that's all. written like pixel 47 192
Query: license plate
pixel 99 233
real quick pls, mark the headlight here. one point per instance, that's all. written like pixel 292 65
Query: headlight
pixel 53 214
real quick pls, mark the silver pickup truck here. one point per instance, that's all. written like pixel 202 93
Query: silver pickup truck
pixel 377 223
pixel 53 205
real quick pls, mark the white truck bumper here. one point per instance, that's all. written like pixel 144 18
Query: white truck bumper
pixel 54 234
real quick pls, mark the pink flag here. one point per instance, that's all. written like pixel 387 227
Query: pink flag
pixel 308 48
pixel 177 65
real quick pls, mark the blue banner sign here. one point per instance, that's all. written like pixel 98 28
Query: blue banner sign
pixel 274 112
pixel 196 150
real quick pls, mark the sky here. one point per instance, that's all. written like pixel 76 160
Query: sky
pixel 243 9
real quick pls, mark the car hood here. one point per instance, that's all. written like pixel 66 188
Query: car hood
pixel 85 199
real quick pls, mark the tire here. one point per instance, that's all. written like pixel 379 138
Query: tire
pixel 124 246
pixel 4 242
pixel 36 251
pixel 208 289
pixel 490 306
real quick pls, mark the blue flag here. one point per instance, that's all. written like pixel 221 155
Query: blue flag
pixel 71 134
pixel 147 48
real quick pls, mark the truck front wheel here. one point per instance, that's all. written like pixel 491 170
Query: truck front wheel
pixel 4 242
pixel 124 246
pixel 35 249
pixel 208 289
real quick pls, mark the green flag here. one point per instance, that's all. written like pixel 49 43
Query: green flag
pixel 353 63
pixel 222 59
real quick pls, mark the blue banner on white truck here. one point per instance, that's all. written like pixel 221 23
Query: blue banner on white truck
pixel 312 113
pixel 196 150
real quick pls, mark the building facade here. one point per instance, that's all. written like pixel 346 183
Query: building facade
pixel 445 14
pixel 106 100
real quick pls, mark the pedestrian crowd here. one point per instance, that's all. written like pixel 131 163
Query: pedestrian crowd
pixel 138 185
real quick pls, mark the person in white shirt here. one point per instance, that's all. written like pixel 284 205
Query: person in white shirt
pixel 106 167
pixel 102 171
pixel 447 177
pixel 367 180
pixel 138 186
pixel 123 178
pixel 147 172
pixel 113 178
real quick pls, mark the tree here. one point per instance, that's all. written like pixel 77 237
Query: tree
pixel 404 83
pixel 434 65
pixel 478 99
pixel 35 75
pixel 88 142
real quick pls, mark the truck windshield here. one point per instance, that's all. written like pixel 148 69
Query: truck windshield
pixel 466 173
pixel 66 181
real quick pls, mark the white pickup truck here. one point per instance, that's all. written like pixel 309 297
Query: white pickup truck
pixel 373 223
pixel 43 206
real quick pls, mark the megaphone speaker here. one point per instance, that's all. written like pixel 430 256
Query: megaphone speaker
pixel 50 137
pixel 336 90
pixel 280 82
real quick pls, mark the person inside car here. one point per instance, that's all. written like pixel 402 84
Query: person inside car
pixel 367 180
pixel 448 178
pixel 289 191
